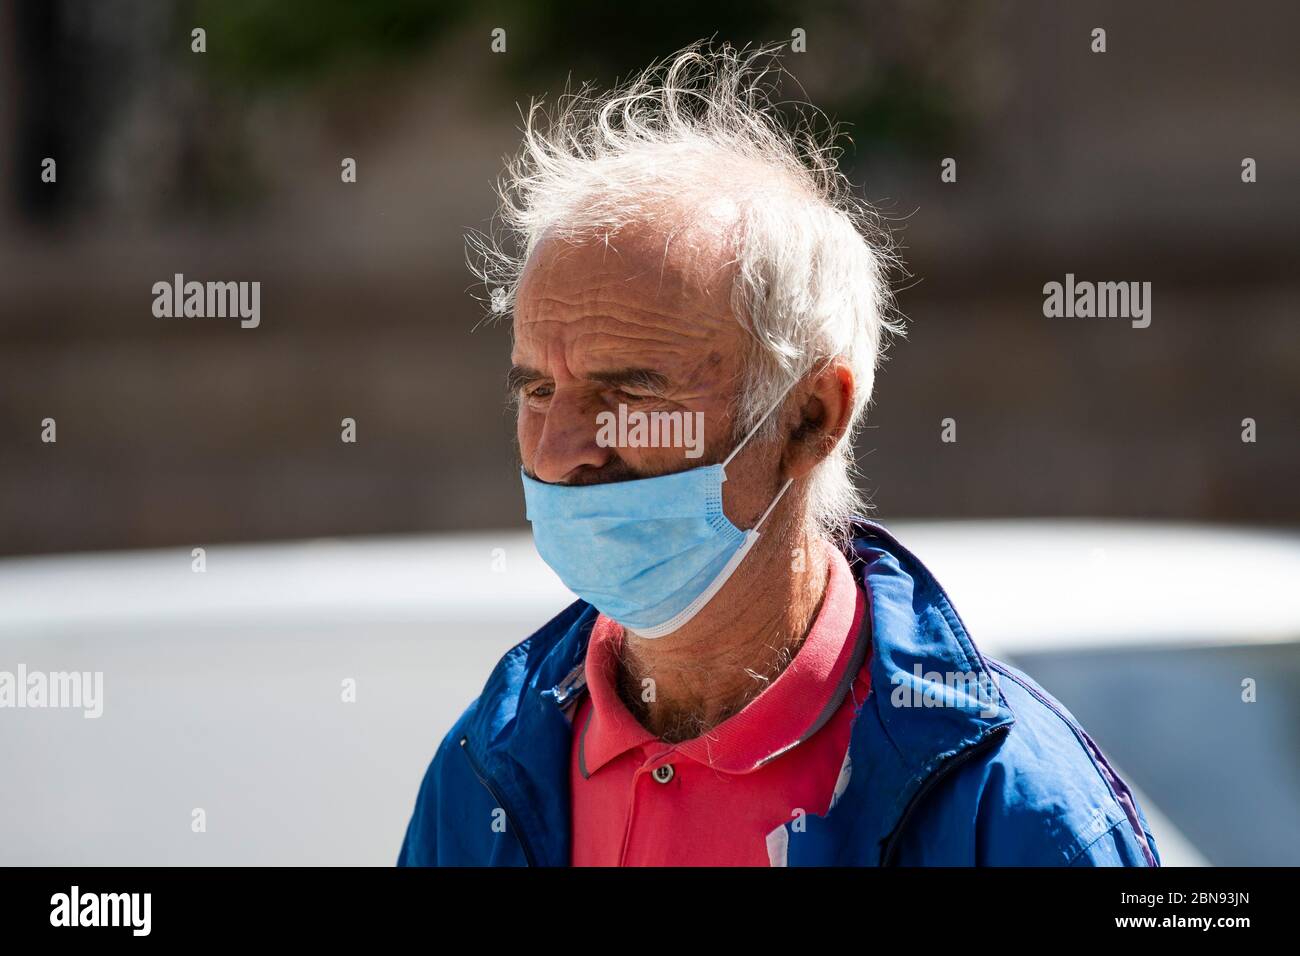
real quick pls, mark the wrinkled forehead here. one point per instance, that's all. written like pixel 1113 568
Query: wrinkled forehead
pixel 657 281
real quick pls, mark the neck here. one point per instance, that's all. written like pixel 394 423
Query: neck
pixel 684 684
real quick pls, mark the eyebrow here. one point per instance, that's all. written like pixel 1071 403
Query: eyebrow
pixel 521 375
pixel 644 378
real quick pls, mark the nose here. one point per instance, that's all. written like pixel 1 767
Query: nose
pixel 565 440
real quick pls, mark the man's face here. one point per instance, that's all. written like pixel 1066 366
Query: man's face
pixel 643 321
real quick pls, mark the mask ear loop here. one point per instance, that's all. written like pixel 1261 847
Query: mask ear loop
pixel 753 431
pixel 744 441
pixel 784 488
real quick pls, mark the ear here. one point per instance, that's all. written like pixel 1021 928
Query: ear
pixel 824 419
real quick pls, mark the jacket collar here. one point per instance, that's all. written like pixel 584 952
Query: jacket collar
pixel 932 700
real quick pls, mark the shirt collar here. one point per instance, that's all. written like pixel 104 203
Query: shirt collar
pixel 796 705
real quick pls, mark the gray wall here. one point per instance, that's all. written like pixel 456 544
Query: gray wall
pixel 1122 166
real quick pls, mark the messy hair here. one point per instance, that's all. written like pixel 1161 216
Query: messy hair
pixel 811 259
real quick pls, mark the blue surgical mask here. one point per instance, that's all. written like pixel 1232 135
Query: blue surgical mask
pixel 649 553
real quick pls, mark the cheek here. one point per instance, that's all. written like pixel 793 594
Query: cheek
pixel 528 431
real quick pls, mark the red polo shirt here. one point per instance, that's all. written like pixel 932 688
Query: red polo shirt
pixel 719 800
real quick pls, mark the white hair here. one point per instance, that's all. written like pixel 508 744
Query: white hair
pixel 811 260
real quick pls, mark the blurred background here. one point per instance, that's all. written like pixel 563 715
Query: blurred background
pixel 176 434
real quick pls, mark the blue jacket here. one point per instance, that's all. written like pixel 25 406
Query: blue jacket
pixel 1007 778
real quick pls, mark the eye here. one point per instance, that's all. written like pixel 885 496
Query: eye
pixel 631 397
pixel 539 392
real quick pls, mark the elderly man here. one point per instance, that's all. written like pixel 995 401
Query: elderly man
pixel 753 674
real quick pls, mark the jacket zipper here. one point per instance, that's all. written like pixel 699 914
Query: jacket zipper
pixel 510 823
pixel 891 845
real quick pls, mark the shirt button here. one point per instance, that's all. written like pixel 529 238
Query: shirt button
pixel 663 773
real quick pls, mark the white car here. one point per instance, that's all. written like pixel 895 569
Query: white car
pixel 279 703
